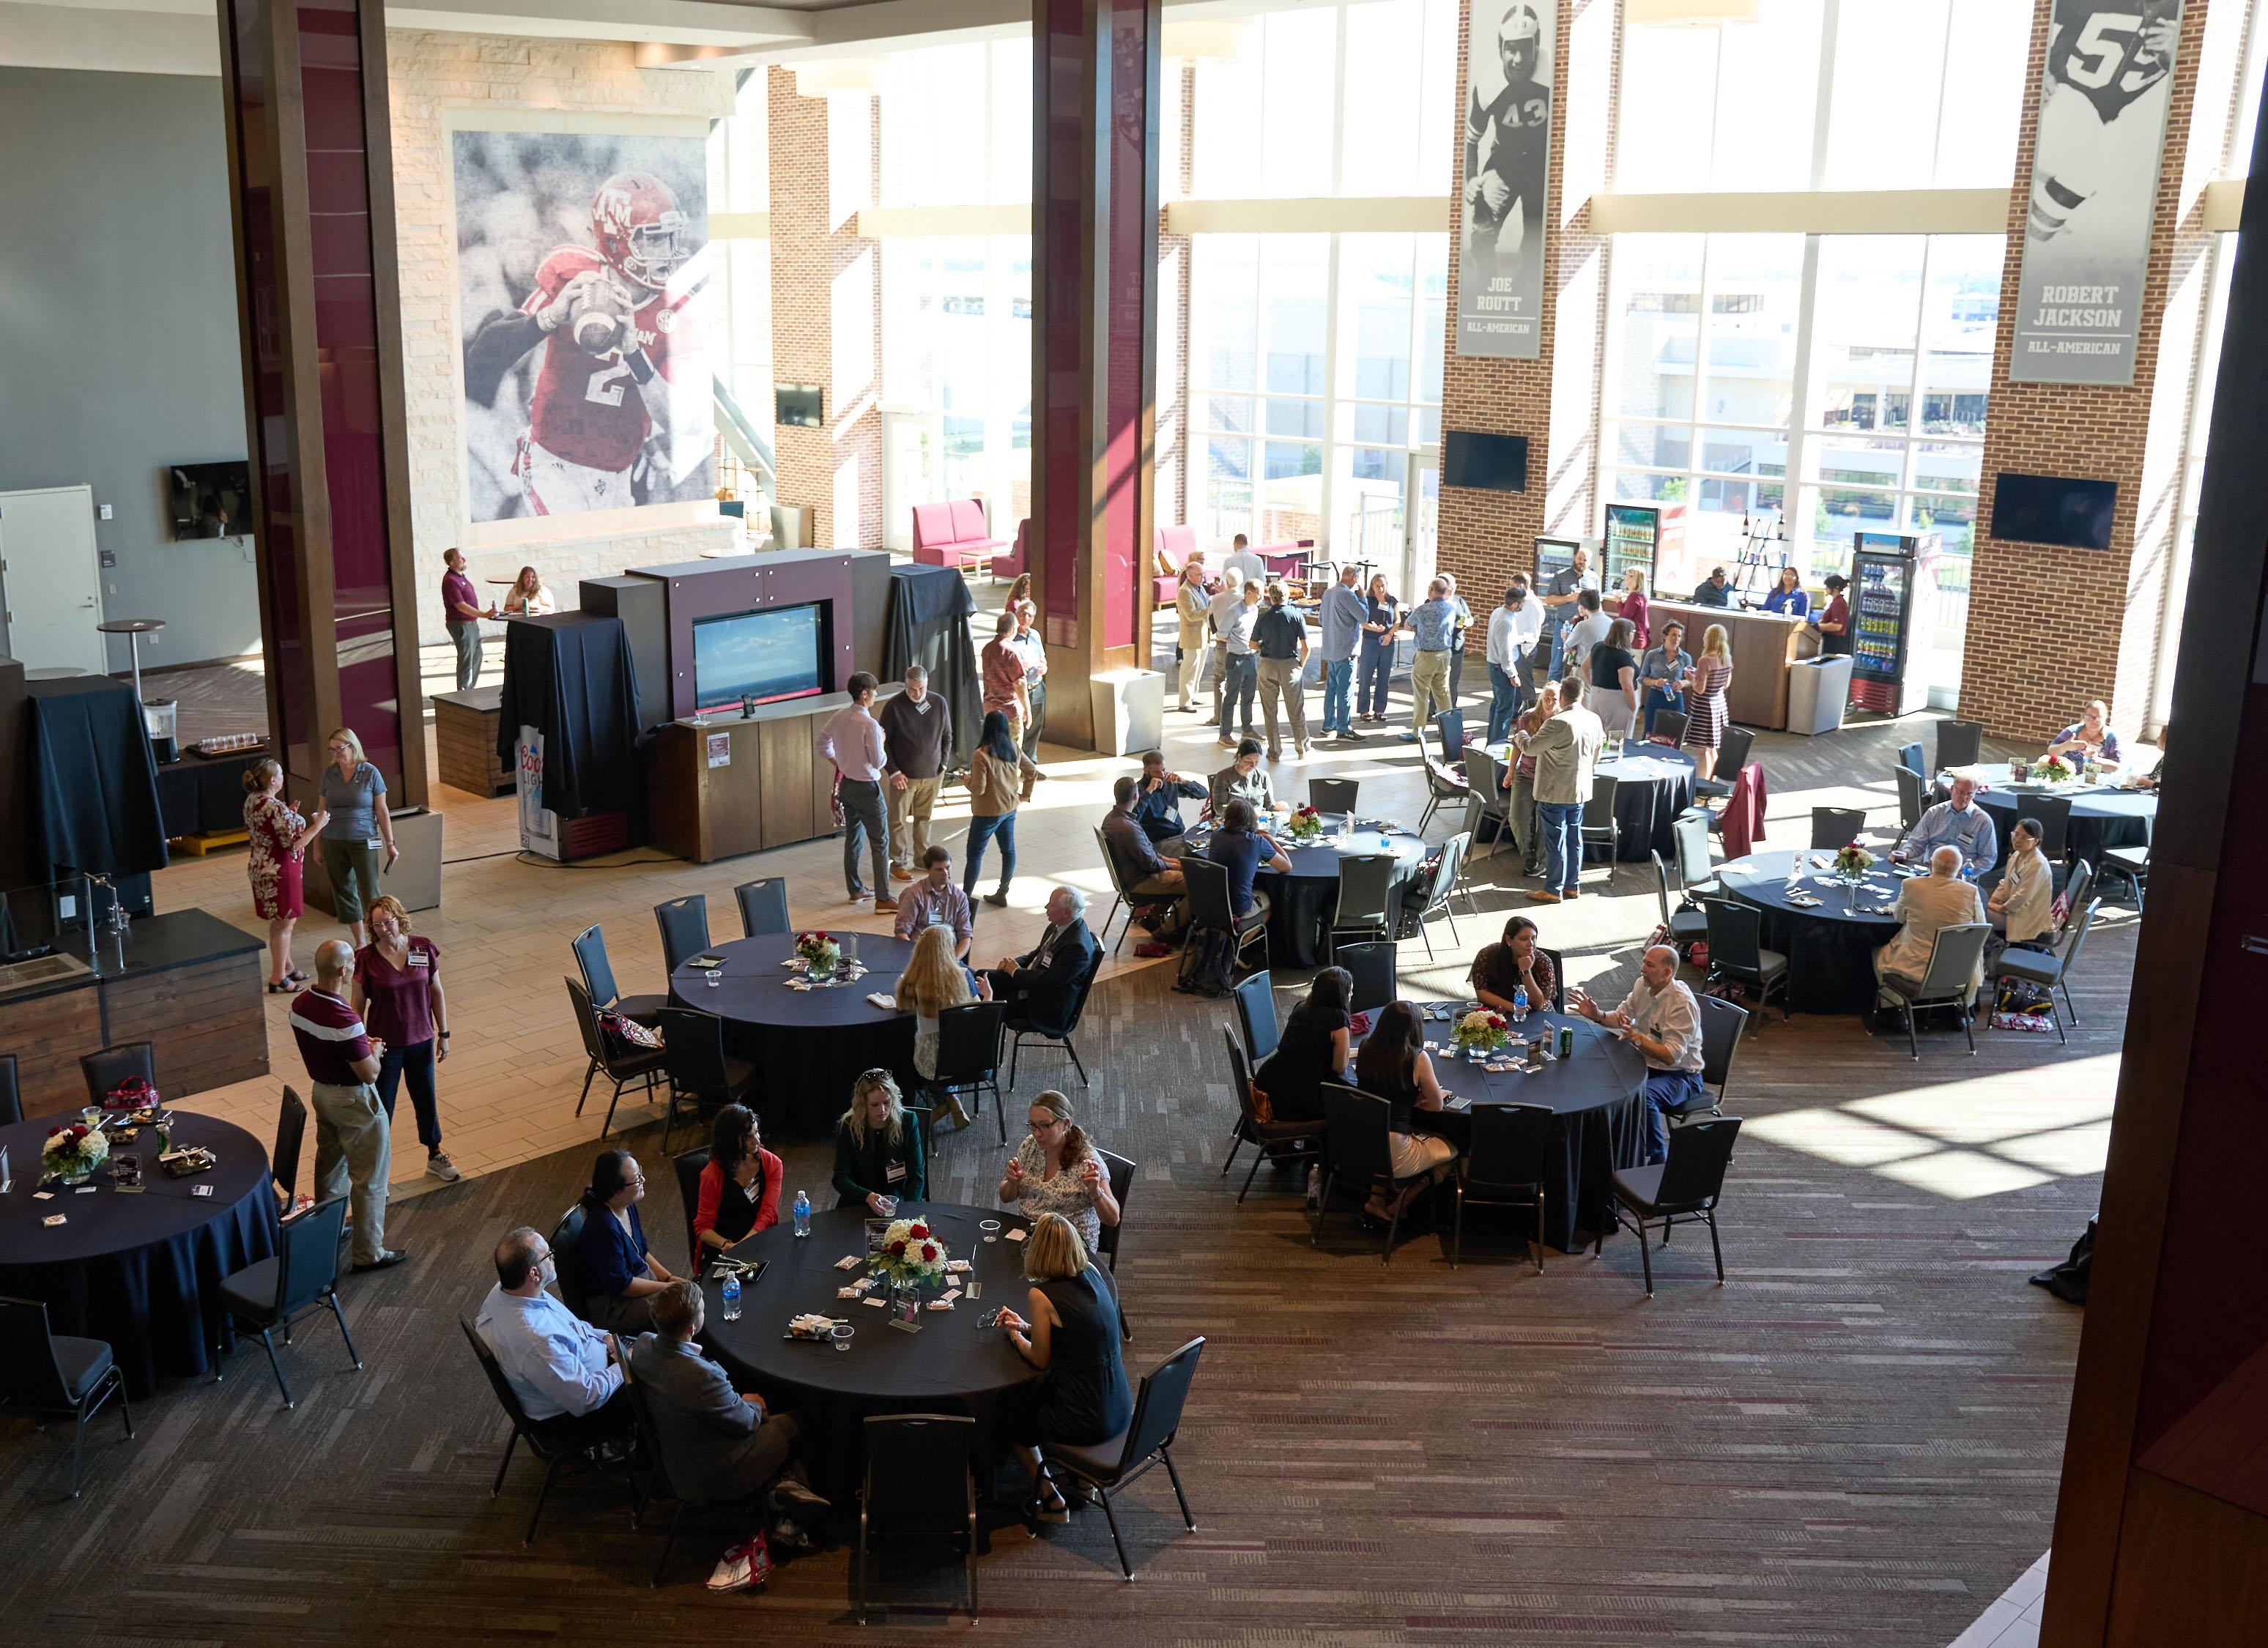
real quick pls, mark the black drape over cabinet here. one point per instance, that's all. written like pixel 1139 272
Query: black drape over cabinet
pixel 571 677
pixel 95 779
pixel 929 626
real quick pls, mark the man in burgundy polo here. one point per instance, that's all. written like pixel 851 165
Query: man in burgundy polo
pixel 353 1141
pixel 461 609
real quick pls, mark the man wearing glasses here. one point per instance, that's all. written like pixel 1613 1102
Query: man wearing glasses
pixel 567 1374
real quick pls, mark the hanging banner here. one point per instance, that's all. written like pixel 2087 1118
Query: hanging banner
pixel 2101 128
pixel 1508 67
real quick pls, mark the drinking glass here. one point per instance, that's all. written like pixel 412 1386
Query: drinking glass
pixel 715 976
pixel 990 1229
pixel 843 1333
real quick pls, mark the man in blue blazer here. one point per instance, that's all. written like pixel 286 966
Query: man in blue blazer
pixel 1040 985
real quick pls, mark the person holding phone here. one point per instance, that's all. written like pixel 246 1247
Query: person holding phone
pixel 878 1149
pixel 1073 1337
pixel 1056 1170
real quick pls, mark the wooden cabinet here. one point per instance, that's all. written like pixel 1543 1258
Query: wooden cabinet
pixel 738 786
pixel 1764 645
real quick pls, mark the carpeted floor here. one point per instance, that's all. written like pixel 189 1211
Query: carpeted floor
pixel 1857 1442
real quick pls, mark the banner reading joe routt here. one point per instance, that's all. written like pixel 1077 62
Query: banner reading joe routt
pixel 2100 130
pixel 1501 216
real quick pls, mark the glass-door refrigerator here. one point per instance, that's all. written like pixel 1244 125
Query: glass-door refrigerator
pixel 1888 573
pixel 1633 538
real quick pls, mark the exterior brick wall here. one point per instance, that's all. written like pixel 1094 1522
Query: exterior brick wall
pixel 430 74
pixel 2049 628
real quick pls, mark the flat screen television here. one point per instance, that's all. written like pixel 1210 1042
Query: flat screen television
pixel 2052 510
pixel 773 653
pixel 211 500
pixel 1494 463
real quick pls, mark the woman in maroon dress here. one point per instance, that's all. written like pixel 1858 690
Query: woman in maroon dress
pixel 279 838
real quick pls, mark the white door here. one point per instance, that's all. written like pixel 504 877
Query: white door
pixel 1421 517
pixel 51 579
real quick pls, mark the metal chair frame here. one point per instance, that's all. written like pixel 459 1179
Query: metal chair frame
pixel 1952 960
pixel 1692 1184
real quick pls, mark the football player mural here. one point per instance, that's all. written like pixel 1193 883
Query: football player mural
pixel 2094 188
pixel 583 276
pixel 1507 164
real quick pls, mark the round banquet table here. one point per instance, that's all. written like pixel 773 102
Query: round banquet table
pixel 1598 1108
pixel 952 1365
pixel 1654 784
pixel 1830 946
pixel 1303 902
pixel 807 1046
pixel 142 1272
pixel 2101 816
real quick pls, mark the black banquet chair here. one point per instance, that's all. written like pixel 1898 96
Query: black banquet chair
pixel 11 1096
pixel 1333 795
pixel 106 1070
pixel 589 947
pixel 918 1486
pixel 1023 1029
pixel 1736 952
pixel 1109 1468
pixel 524 1429
pixel 968 1056
pixel 1433 894
pixel 1485 799
pixel 1504 1166
pixel 291 1138
pixel 1369 904
pixel 1687 1186
pixel 49 1374
pixel 687 1165
pixel 763 906
pixel 1208 893
pixel 1372 967
pixel 2049 970
pixel 1356 1154
pixel 1684 926
pixel 700 1071
pixel 300 1279
pixel 1836 827
pixel 1953 961
pixel 1959 743
pixel 1723 1024
pixel 1669 728
pixel 1732 754
pixel 684 924
pixel 1255 1016
pixel 620 1068
pixel 1250 1129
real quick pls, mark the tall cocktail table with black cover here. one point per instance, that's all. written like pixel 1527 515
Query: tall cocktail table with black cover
pixel 1302 904
pixel 807 1046
pixel 144 1271
pixel 1830 946
pixel 951 1366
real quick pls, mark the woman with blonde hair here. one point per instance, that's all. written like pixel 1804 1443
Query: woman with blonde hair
pixel 1055 1170
pixel 932 981
pixel 1704 685
pixel 397 990
pixel 279 838
pixel 878 1149
pixel 353 793
pixel 528 597
pixel 1074 1338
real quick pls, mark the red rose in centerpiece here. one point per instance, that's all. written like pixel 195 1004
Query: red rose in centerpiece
pixel 921 1231
pixel 929 1253
pixel 897 1250
pixel 79 1131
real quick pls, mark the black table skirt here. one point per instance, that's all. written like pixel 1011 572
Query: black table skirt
pixel 1302 904
pixel 155 1301
pixel 1645 810
pixel 1830 956
pixel 198 797
pixel 2096 823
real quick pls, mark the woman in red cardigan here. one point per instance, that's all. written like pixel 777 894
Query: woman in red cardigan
pixel 740 1186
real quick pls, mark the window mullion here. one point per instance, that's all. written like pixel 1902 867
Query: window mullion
pixel 1805 387
pixel 1330 438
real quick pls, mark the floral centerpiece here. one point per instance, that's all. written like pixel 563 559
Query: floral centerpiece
pixel 819 951
pixel 1853 862
pixel 2055 770
pixel 1481 1031
pixel 911 1253
pixel 1304 824
pixel 74 1152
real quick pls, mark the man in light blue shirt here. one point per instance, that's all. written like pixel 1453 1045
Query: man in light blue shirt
pixel 565 1373
pixel 1239 678
pixel 1343 613
pixel 1959 823
pixel 1433 621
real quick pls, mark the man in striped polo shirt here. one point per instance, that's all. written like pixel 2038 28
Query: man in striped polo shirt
pixel 353 1140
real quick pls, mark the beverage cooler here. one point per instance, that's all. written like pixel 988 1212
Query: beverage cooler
pixel 1893 583
pixel 1633 540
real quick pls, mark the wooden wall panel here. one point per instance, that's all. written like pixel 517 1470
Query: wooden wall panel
pixel 46 1034
pixel 207 1021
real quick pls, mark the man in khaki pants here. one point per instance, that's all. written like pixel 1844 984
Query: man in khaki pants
pixel 916 748
pixel 1280 638
pixel 353 1140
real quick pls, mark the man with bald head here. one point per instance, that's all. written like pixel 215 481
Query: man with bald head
pixel 1660 1018
pixel 567 1374
pixel 353 1138
pixel 1926 905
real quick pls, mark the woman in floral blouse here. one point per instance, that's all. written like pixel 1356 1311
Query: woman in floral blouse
pixel 1057 1171
pixel 279 838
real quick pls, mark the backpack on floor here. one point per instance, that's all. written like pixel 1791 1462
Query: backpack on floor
pixel 1207 963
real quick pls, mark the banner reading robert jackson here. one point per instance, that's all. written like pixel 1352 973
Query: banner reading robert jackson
pixel 2095 189
pixel 1507 164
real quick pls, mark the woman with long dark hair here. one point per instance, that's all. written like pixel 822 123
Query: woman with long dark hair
pixel 610 1276
pixel 999 780
pixel 1393 1064
pixel 739 1186
pixel 1314 1048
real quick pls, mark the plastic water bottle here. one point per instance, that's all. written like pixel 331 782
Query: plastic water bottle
pixel 732 1291
pixel 802 1215
pixel 1520 1004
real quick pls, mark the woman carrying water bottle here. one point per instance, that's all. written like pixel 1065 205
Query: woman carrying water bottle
pixel 1500 970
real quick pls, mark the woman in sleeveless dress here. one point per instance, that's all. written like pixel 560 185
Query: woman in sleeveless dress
pixel 1073 1336
pixel 1705 684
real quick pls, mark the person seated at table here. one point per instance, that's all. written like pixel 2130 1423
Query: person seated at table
pixel 2153 780
pixel 611 1276
pixel 528 597
pixel 717 1444
pixel 1240 848
pixel 1158 803
pixel 1660 1018
pixel 2090 739
pixel 1514 962
pixel 1927 905
pixel 1040 985
pixel 932 983
pixel 564 1371
pixel 2021 902
pixel 1072 1336
pixel 1959 823
pixel 1393 1064
pixel 740 1184
pixel 932 899
pixel 879 1161
pixel 1789 599
pixel 1315 1046
pixel 1243 778
pixel 1141 869
pixel 1713 590
pixel 1056 1170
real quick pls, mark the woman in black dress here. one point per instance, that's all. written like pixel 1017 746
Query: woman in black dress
pixel 1074 1337
pixel 1394 1065
pixel 1314 1050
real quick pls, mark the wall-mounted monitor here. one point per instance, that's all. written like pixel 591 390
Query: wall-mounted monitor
pixel 799 405
pixel 1494 463
pixel 769 654
pixel 210 500
pixel 2053 510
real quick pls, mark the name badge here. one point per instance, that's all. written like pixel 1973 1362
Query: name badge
pixel 375 842
pixel 419 959
pixel 897 1171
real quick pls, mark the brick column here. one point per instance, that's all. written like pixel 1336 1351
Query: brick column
pixel 2049 628
pixel 827 306
pixel 1553 400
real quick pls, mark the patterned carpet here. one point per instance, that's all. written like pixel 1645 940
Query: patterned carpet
pixel 1856 1442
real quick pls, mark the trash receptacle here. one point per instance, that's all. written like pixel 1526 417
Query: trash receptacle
pixel 1129 710
pixel 1817 688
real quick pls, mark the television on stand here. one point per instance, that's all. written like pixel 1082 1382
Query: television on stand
pixel 767 656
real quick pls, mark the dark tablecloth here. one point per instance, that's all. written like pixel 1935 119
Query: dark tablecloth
pixel 142 1272
pixel 2099 818
pixel 94 778
pixel 570 676
pixel 807 1046
pixel 1304 902
pixel 197 796
pixel 952 1365
pixel 1655 785
pixel 1830 948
